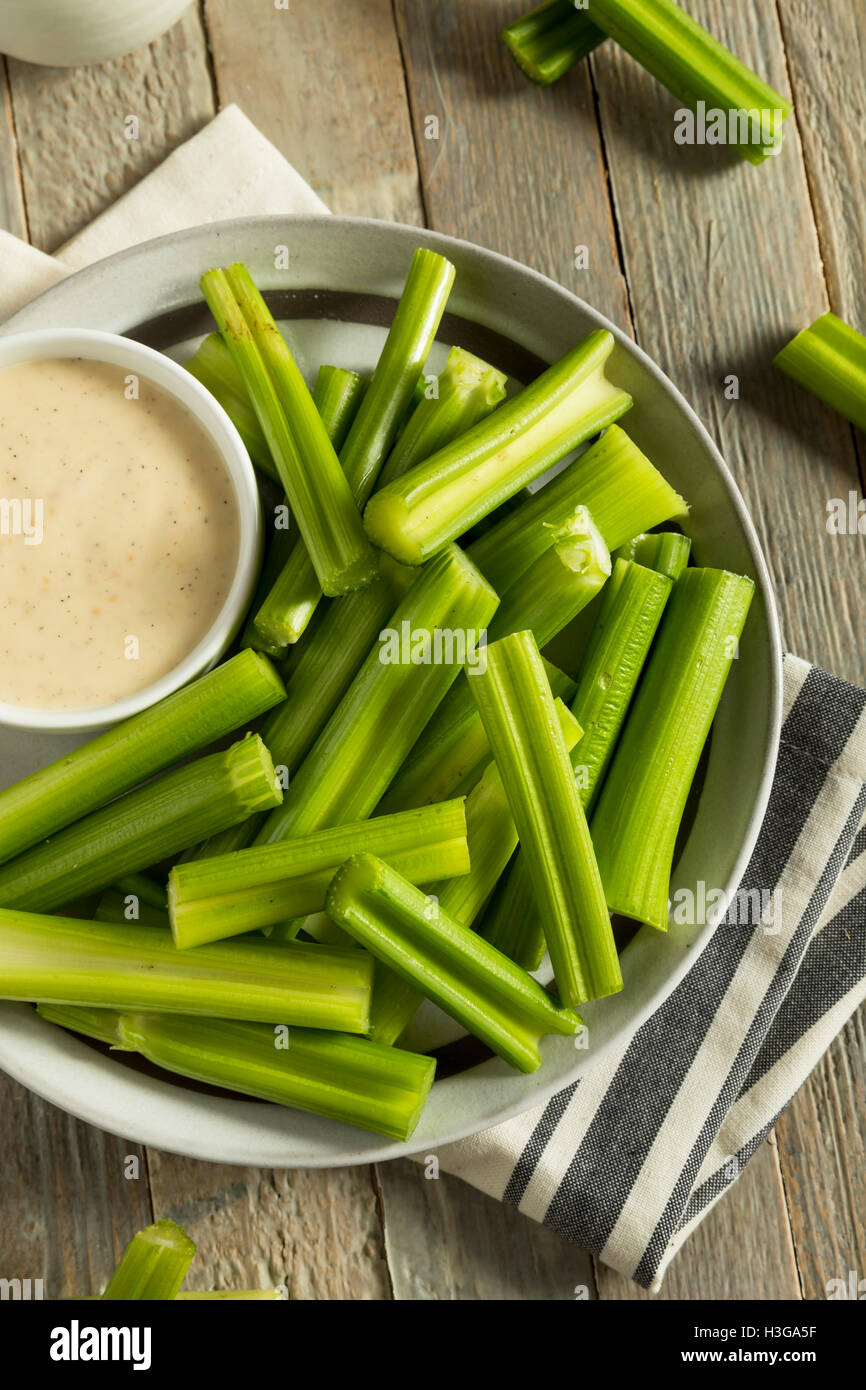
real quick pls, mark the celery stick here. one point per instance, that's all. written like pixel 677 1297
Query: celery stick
pixel 492 837
pixel 696 68
pixel 517 708
pixel 415 516
pixel 152 823
pixel 212 365
pixel 315 484
pixel 452 751
pixel 466 392
pixel 465 976
pixel 555 588
pixel 390 701
pixel 640 808
pixel 146 889
pixel 829 359
pixel 213 898
pixel 666 552
pixel 153 1265
pixel 549 40
pixel 63 960
pixel 349 1079
pixel 114 906
pixel 210 707
pixel 631 609
pixel 100 1024
pixel 337 395
pixel 617 484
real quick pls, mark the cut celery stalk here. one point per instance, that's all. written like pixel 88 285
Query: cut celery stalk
pixel 153 1265
pixel 556 587
pixel 99 1024
pixel 465 976
pixel 492 838
pixel 212 365
pixel 415 516
pixel 640 808
pixel 549 40
pixel 829 359
pixel 631 609
pixel 214 898
pixel 613 479
pixel 666 552
pixel 390 701
pixel 209 708
pixel 62 960
pixel 152 823
pixel 466 392
pixel 350 1079
pixel 310 472
pixel 337 395
pixel 517 708
pixel 696 68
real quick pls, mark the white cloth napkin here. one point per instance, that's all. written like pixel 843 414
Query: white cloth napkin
pixel 628 1161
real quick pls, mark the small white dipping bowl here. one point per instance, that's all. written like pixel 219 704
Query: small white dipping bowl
pixel 178 383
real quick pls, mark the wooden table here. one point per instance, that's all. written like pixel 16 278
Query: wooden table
pixel 712 265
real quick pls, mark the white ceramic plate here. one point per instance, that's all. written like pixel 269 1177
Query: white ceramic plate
pixel 343 277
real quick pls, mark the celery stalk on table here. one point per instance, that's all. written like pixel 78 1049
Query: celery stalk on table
pixel 550 39
pixel 638 814
pixel 447 961
pixel 104 965
pixel 153 1265
pixel 829 359
pixel 414 516
pixel 517 708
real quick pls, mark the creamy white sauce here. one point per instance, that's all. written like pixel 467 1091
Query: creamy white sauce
pixel 119 533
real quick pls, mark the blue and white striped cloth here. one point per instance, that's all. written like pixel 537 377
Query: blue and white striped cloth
pixel 628 1161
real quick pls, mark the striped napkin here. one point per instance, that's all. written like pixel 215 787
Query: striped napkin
pixel 626 1162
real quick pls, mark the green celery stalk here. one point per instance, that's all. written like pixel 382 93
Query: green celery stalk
pixel 447 961
pixel 154 822
pixel 695 68
pixel 282 541
pixel 549 40
pixel 631 610
pixel 638 815
pixel 212 365
pixel 349 1079
pixel 517 708
pixel 613 479
pixel 214 898
pixel 293 600
pixel 467 391
pixel 388 704
pixel 153 1265
pixel 117 760
pixel 666 552
pixel 146 889
pixel 415 516
pixel 555 588
pixel 337 395
pixel 114 906
pixel 63 960
pixel 100 1024
pixel 492 837
pixel 829 359
pixel 310 472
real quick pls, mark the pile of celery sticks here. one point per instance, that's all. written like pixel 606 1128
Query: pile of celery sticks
pixel 451 813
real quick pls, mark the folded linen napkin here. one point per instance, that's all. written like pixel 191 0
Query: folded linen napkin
pixel 626 1162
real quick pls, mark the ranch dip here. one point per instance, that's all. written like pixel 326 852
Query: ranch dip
pixel 119 533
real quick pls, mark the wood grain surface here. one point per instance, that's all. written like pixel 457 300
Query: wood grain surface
pixel 413 111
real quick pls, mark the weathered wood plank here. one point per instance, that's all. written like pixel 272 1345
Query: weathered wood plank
pixel 325 84
pixel 316 1233
pixel 447 1241
pixel 514 167
pixel 740 1250
pixel 72 124
pixel 12 217
pixel 70 1198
